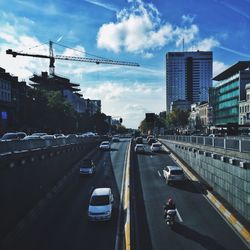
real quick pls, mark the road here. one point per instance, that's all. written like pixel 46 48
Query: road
pixel 198 225
pixel 64 224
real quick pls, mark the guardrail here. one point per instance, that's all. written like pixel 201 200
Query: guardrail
pixel 20 145
pixel 235 144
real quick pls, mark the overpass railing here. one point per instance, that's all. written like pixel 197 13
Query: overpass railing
pixel 241 145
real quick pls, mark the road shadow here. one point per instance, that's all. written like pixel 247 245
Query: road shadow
pixel 189 186
pixel 204 240
pixel 113 149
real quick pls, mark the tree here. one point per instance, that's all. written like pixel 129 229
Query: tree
pixel 177 119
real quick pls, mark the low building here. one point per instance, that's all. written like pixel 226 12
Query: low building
pixel 229 90
pixel 57 83
pixel 12 101
pixel 93 106
pixel 244 108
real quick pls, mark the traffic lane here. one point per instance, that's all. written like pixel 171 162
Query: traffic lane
pixel 202 227
pixel 64 224
pixel 118 148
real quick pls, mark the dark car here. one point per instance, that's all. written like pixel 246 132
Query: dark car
pixel 151 141
pixel 87 167
pixel 139 140
pixel 13 136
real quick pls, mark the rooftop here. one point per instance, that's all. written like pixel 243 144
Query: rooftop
pixel 241 65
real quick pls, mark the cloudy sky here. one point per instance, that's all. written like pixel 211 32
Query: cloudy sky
pixel 140 31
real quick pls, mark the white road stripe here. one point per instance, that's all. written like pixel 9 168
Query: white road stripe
pixel 178 215
pixel 159 173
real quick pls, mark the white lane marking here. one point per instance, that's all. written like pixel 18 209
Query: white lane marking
pixel 178 215
pixel 159 173
pixel 151 156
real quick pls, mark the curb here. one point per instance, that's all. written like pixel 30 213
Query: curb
pixel 126 203
pixel 228 216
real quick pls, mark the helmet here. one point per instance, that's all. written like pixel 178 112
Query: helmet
pixel 170 201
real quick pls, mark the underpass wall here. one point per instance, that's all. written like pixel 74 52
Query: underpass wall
pixel 229 177
pixel 27 176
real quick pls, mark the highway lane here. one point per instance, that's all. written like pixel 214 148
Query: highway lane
pixel 64 224
pixel 201 227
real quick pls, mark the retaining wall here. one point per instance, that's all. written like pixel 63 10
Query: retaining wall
pixel 229 177
pixel 27 176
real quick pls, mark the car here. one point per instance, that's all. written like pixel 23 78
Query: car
pixel 173 174
pixel 139 148
pixel 48 137
pixel 115 138
pixel 151 141
pixel 155 147
pixel 105 145
pixel 39 134
pixel 139 140
pixel 100 205
pixel 13 136
pixel 32 137
pixel 87 167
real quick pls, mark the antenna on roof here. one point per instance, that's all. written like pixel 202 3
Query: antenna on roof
pixel 183 41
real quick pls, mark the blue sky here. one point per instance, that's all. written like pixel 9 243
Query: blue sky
pixel 129 30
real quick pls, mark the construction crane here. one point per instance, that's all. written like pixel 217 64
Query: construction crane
pixel 52 58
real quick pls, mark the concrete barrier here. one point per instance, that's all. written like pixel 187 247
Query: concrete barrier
pixel 228 176
pixel 27 175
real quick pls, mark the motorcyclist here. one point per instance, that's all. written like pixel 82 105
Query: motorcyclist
pixel 170 205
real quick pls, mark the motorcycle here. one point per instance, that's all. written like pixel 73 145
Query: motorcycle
pixel 170 217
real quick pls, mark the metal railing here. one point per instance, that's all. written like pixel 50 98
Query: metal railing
pixel 241 145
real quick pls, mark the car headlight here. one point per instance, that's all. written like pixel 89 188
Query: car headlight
pixel 107 213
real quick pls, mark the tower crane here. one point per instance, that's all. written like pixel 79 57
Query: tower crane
pixel 52 58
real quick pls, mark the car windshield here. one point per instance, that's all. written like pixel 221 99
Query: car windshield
pixel 105 143
pixel 99 200
pixel 176 172
pixel 86 164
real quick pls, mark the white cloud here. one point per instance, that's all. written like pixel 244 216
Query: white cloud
pixel 129 102
pixel 218 67
pixel 103 5
pixel 140 30
pixel 206 44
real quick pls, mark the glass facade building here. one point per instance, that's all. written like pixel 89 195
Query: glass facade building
pixel 188 76
pixel 224 97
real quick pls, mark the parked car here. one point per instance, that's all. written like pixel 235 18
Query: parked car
pixel 173 173
pixel 87 167
pixel 13 136
pixel 100 205
pixel 59 135
pixel 156 147
pixel 139 148
pixel 105 145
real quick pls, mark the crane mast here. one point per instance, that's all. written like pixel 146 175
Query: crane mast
pixel 52 58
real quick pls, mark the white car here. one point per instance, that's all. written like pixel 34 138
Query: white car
pixel 100 205
pixel 155 147
pixel 173 173
pixel 105 145
pixel 139 148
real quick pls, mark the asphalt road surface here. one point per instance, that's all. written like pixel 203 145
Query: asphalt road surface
pixel 198 225
pixel 64 224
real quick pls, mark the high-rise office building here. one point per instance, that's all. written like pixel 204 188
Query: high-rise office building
pixel 188 76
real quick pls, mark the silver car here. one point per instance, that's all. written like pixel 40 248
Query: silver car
pixel 173 173
pixel 100 205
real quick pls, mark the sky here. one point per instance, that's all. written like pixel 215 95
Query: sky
pixel 138 31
